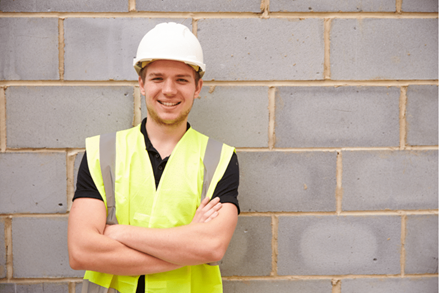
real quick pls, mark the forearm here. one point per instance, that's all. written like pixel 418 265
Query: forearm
pixel 102 254
pixel 192 244
pixel 89 249
pixel 163 244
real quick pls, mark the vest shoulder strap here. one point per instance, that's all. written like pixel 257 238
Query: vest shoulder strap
pixel 107 165
pixel 211 160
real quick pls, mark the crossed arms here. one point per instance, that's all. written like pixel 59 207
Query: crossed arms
pixel 130 250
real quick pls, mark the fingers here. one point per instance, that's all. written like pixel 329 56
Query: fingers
pixel 210 211
pixel 207 210
pixel 211 203
pixel 204 203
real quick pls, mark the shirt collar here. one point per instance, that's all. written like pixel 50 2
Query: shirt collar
pixel 149 146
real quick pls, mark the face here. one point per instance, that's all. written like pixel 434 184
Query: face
pixel 169 88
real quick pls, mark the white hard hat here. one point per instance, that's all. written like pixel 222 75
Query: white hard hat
pixel 170 41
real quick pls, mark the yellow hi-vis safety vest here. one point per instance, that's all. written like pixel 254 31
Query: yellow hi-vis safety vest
pixel 121 169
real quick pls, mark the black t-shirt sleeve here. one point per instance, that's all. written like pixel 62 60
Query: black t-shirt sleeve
pixel 85 184
pixel 227 187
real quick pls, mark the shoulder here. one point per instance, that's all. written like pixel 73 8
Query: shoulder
pixel 206 139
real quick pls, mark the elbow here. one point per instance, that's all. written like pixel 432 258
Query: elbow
pixel 216 252
pixel 76 261
pixel 217 256
pixel 75 265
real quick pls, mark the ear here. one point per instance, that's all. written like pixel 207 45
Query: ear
pixel 198 89
pixel 141 84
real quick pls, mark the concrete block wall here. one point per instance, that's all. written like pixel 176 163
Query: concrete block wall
pixel 332 105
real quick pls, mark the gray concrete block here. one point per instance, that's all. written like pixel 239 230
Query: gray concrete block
pixel 262 49
pixel 421 245
pixel 287 182
pixel 33 183
pixel 238 116
pixel 250 250
pixel 337 117
pixel 333 6
pixel 59 117
pixel 199 6
pixel 104 48
pixel 422 115
pixel 40 248
pixel 2 249
pixel 8 288
pixel 420 6
pixel 377 49
pixel 387 285
pixel 63 6
pixel 42 288
pixel 332 245
pixel 29 48
pixel 280 286
pixel 390 180
pixel 78 287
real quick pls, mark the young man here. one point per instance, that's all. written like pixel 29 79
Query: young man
pixel 137 224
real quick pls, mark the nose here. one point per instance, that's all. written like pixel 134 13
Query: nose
pixel 169 87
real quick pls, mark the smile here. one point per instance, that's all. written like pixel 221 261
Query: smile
pixel 168 104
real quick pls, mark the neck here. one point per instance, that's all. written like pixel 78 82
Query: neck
pixel 164 138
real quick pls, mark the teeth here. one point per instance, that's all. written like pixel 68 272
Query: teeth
pixel 168 104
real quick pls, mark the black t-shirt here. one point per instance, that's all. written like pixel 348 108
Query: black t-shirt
pixel 226 189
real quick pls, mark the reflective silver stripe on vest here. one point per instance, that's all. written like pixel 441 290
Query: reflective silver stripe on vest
pixel 211 161
pixel 89 287
pixel 107 165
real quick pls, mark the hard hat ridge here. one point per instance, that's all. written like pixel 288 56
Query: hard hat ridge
pixel 170 41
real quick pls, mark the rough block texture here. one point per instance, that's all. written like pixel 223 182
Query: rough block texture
pixel 280 286
pixel 243 120
pixel 63 6
pixel 336 117
pixel 265 49
pixel 2 249
pixel 104 48
pixel 58 117
pixel 421 245
pixel 420 6
pixel 390 180
pixel 403 285
pixel 333 6
pixel 376 49
pixel 40 248
pixel 32 183
pixel 78 287
pixel 287 182
pixel 199 5
pixel 22 40
pixel 422 115
pixel 250 252
pixel 331 245
pixel 7 288
pixel 35 288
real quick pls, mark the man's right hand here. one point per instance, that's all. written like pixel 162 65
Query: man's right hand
pixel 207 211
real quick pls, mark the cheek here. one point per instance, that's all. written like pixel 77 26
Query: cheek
pixel 150 92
